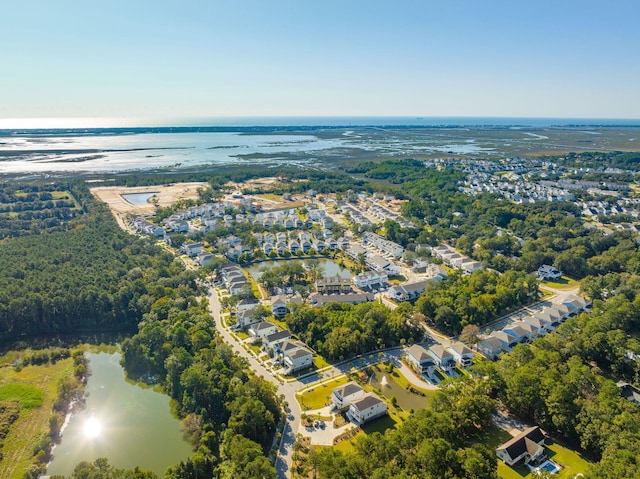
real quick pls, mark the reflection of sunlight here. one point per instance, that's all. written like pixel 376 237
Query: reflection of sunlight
pixel 92 427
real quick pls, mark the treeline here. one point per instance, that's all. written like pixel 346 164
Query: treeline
pixel 444 441
pixel 230 414
pixel 93 277
pixel 100 469
pixel 340 331
pixel 476 299
pixel 561 383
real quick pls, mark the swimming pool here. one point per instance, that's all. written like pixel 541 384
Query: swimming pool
pixel 549 466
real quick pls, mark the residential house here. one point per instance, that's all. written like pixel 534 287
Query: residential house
pixel 442 357
pixel 517 332
pixel 491 347
pixel 461 354
pixel 333 285
pixel 537 323
pixel 203 258
pixel 343 396
pixel 507 340
pixel 548 272
pixel 406 292
pixel 629 392
pixel 366 408
pixel 247 304
pixel 527 446
pixel 244 319
pixel 271 342
pixel 279 306
pixel 420 360
pixel 371 279
pixel 262 329
pixel 297 359
pixel 192 249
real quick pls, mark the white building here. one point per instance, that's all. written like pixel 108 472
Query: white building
pixel 420 360
pixel 406 292
pixel 262 329
pixel 343 396
pixel 371 279
pixel 461 354
pixel 366 409
pixel 297 359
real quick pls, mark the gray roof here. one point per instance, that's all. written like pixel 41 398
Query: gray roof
pixel 277 336
pixel 300 352
pixel 460 348
pixel 263 325
pixel 492 341
pixel 348 389
pixel 366 402
pixel 440 351
pixel 419 352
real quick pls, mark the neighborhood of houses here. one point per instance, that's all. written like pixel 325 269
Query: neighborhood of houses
pixel 288 231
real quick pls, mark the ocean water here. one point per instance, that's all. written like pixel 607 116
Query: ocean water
pixel 94 145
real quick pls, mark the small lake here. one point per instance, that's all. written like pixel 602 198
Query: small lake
pixel 129 425
pixel 386 384
pixel 329 268
pixel 138 198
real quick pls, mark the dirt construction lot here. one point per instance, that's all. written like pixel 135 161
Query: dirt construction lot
pixel 166 195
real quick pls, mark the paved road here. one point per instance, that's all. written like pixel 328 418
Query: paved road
pixel 283 462
pixel 290 387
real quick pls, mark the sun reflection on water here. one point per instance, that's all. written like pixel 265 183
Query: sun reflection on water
pixel 92 427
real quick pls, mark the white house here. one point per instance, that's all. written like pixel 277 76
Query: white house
pixel 528 445
pixel 517 332
pixel 547 272
pixel 244 318
pixel 343 396
pixel 461 354
pixel 366 409
pixel 279 306
pixel 442 357
pixel 272 342
pixel 370 279
pixel 406 292
pixel 491 347
pixel 420 360
pixel 262 329
pixel 297 359
pixel 192 249
pixel 247 304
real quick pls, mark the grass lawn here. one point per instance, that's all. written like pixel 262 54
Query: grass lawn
pixel 28 396
pixel 320 362
pixel 563 284
pixel 571 461
pixel 319 396
pixel 33 423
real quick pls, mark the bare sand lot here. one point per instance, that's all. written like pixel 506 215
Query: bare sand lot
pixel 166 195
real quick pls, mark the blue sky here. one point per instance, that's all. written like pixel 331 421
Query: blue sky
pixel 160 59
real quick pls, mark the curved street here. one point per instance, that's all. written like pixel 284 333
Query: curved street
pixel 289 388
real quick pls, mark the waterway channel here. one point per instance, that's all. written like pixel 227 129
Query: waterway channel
pixel 128 424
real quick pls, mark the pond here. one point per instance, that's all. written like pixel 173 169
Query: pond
pixel 329 268
pixel 129 425
pixel 138 198
pixel 387 385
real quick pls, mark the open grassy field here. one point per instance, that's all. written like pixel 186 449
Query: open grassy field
pixel 320 395
pixel 35 387
pixel 563 284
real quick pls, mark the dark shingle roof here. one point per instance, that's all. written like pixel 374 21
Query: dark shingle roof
pixel 527 441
